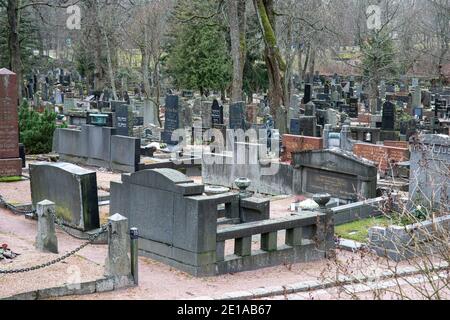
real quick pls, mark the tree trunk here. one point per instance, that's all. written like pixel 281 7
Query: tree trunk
pixel 110 68
pixel 14 43
pixel 237 20
pixel 274 61
pixel 145 71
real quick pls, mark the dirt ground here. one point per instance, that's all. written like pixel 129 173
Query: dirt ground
pixel 157 281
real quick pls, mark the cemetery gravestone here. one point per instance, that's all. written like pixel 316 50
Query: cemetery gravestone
pixel 172 119
pixel 10 163
pixel 73 189
pixel 294 127
pixel 217 113
pixel 237 116
pixel 388 120
pixel 308 94
pixel 353 108
pixel 124 120
pixel 206 114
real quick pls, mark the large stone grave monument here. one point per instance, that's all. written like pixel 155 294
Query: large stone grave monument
pixel 338 173
pixel 10 162
pixel 73 190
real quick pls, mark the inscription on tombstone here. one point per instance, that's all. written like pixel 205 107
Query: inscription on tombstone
pixel 217 113
pixel 237 116
pixel 123 118
pixel 10 163
pixel 172 118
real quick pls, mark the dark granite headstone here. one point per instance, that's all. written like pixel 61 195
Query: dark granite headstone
pixel 388 120
pixel 294 127
pixel 172 119
pixel 353 108
pixel 237 116
pixel 308 126
pixel 308 93
pixel 217 113
pixel 123 118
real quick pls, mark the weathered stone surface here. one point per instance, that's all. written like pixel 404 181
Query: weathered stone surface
pixel 429 179
pixel 73 190
pixel 97 146
pixel 10 163
pixel 335 172
pixel 177 223
pixel 46 238
pixel 10 167
pixel 118 263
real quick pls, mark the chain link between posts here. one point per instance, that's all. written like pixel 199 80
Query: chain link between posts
pixel 13 208
pixel 90 240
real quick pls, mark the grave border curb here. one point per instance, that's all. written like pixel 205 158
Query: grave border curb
pixel 106 284
pixel 313 285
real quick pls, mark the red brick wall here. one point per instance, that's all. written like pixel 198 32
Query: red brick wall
pixel 381 155
pixel 396 144
pixel 364 118
pixel 294 143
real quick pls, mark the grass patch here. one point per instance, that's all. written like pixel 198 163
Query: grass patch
pixel 359 230
pixel 10 179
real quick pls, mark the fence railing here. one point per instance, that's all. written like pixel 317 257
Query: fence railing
pixel 308 229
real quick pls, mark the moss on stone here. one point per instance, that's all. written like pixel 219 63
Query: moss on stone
pixel 10 179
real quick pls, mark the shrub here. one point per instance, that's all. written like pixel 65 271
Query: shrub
pixel 36 129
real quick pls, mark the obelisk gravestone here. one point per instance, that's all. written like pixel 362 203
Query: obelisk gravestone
pixel 10 162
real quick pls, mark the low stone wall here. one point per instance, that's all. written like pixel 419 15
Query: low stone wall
pixel 382 156
pixel 97 146
pixel 357 211
pixel 402 243
pixel 97 286
pixel 309 237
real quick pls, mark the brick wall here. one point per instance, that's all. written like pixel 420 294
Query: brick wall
pixel 364 118
pixel 381 155
pixel 396 144
pixel 293 143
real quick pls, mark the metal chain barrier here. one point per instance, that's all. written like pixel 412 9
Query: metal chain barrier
pixel 13 208
pixel 62 258
pixel 60 223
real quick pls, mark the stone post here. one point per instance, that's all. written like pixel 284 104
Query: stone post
pixel 326 136
pixel 46 240
pixel 118 265
pixel 346 134
pixel 134 253
pixel 325 231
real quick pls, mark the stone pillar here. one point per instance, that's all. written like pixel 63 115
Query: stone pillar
pixel 118 265
pixel 346 134
pixel 326 136
pixel 10 162
pixel 46 240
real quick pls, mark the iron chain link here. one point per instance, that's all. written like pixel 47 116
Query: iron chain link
pixel 62 258
pixel 13 208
